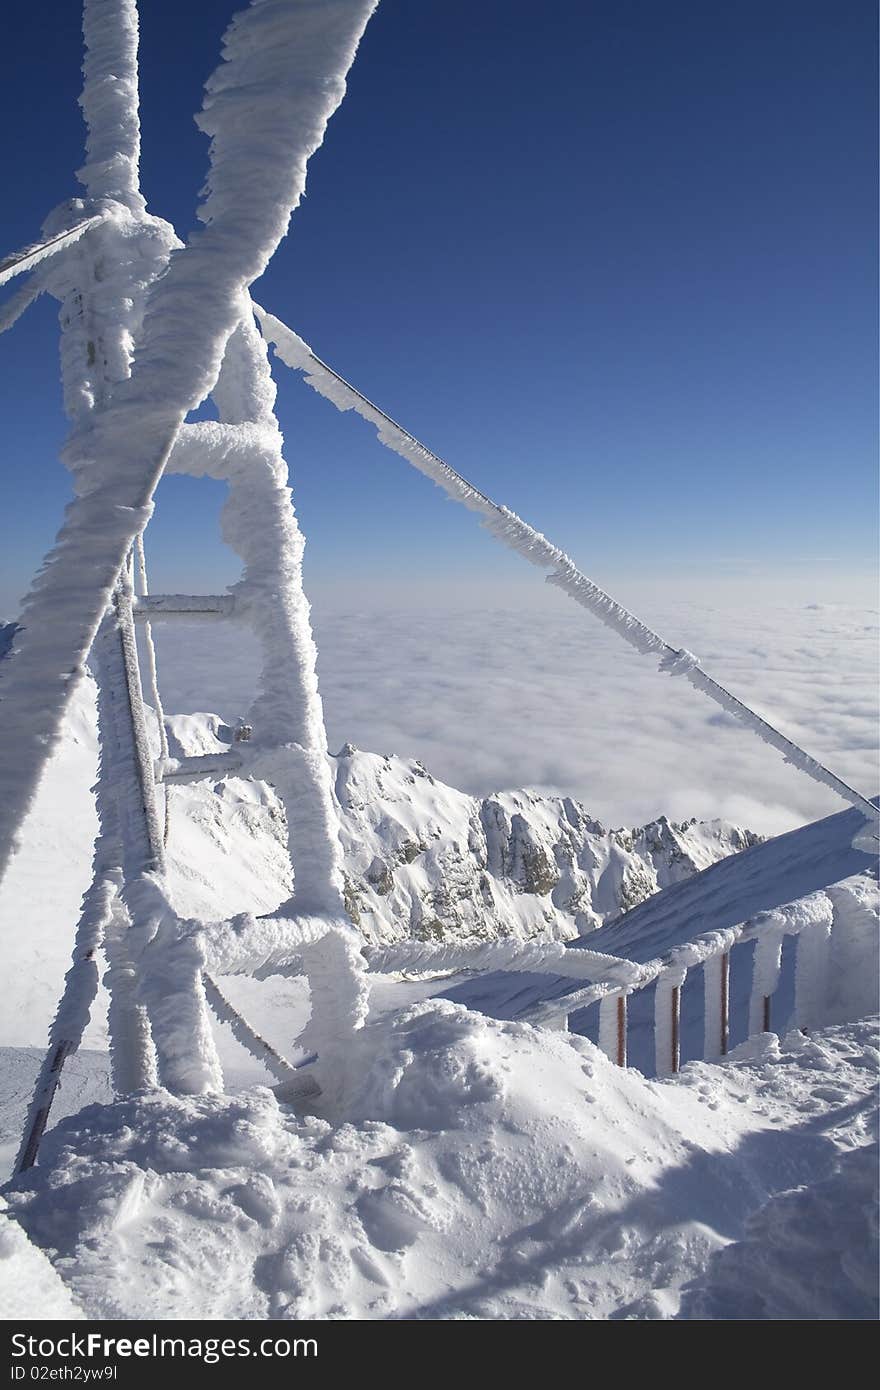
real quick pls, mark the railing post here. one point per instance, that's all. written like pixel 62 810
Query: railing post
pixel 675 1024
pixel 667 1020
pixel 811 973
pixel 765 978
pixel 612 1027
pixel 716 1006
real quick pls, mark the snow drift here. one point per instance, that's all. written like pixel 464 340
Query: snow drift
pixel 486 1170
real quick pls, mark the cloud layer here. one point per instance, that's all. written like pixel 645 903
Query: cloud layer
pixel 543 696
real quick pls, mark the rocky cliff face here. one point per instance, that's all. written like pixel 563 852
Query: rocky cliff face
pixel 427 861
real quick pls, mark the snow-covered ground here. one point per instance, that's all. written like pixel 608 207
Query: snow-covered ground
pixel 488 1170
pixel 481 1168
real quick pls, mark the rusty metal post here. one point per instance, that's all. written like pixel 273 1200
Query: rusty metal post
pixel 675 1049
pixel 766 1027
pixel 42 1104
pixel 621 1030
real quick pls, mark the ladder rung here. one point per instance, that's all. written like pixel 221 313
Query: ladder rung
pixel 183 606
pixel 214 765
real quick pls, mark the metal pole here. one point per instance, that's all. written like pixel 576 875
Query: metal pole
pixel 675 1048
pixel 43 1103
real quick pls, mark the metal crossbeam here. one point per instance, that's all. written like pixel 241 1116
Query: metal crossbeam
pixel 200 767
pixel 152 606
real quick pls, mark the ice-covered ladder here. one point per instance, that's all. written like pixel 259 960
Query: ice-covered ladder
pixel 105 258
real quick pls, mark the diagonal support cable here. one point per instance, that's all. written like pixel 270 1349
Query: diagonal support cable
pixel 509 528
pixel 16 304
pixel 256 1044
pixel 19 262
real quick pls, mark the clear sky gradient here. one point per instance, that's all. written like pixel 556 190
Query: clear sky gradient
pixel 614 261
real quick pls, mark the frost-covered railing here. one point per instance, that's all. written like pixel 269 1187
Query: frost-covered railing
pixel 610 980
pixel 809 920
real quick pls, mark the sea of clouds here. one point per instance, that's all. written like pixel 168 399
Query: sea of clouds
pixel 537 693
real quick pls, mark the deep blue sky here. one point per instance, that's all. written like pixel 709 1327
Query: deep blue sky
pixel 615 261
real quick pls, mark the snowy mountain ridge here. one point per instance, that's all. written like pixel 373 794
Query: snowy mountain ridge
pixel 426 861
pixel 421 858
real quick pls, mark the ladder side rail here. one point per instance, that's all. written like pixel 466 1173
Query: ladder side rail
pixel 140 571
pixel 225 1012
pixel 95 354
pixel 81 981
pixel 195 305
pixel 287 715
pixel 289 743
pixel 168 959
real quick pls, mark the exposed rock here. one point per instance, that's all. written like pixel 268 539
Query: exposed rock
pixel 513 863
pixel 380 877
pixel 424 860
